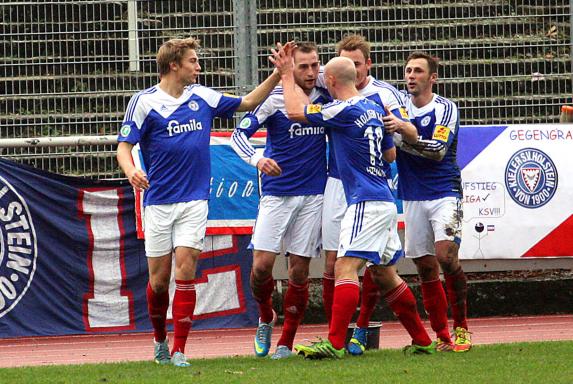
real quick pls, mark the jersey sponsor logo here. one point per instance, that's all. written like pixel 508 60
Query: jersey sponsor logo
pixel 298 130
pixel 531 178
pixel 425 121
pixel 313 108
pixel 18 247
pixel 193 106
pixel 245 123
pixel 404 113
pixel 441 133
pixel 125 130
pixel 174 127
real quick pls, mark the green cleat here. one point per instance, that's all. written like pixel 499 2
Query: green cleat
pixel 319 350
pixel 179 360
pixel 161 353
pixel 416 349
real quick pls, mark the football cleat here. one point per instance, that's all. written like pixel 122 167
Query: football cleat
pixel 282 352
pixel 463 340
pixel 179 360
pixel 444 346
pixel 161 352
pixel 319 350
pixel 357 344
pixel 415 349
pixel 263 337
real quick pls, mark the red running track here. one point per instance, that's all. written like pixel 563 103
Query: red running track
pixel 234 342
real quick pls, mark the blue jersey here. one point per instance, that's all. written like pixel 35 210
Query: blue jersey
pixel 299 149
pixel 173 135
pixel 387 97
pixel 421 178
pixel 359 141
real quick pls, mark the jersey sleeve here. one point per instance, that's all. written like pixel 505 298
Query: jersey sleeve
pixel 446 122
pixel 223 105
pixel 131 126
pixel 325 115
pixel 247 127
pixel 393 101
pixel 443 133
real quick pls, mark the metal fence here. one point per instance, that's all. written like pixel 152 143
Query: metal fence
pixel 69 67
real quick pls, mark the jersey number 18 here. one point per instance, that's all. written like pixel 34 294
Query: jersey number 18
pixel 375 135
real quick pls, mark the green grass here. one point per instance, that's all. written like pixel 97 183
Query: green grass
pixel 548 362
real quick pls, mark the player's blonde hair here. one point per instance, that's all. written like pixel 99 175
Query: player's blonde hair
pixel 352 43
pixel 172 51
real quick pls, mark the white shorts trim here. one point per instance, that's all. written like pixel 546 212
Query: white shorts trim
pixel 429 221
pixel 333 211
pixel 291 223
pixel 369 231
pixel 168 226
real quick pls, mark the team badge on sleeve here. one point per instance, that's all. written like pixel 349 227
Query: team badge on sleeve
pixel 125 130
pixel 403 113
pixel 441 133
pixel 313 108
pixel 245 123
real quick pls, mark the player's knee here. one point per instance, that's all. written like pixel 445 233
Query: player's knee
pixel 298 276
pixel 262 271
pixel 428 268
pixel 159 286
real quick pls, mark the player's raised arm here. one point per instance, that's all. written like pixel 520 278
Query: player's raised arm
pixel 295 98
pixel 258 95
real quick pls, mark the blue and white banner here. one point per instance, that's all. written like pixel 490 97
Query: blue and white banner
pixel 518 189
pixel 70 261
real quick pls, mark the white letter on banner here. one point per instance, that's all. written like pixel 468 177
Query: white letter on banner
pixel 107 304
pixel 218 292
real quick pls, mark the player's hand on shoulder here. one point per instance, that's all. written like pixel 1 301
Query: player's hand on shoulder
pixel 138 179
pixel 269 167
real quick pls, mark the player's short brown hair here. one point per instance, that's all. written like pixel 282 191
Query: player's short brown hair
pixel 433 62
pixel 352 43
pixel 306 47
pixel 172 51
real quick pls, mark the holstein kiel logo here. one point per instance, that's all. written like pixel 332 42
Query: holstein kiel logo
pixel 531 178
pixel 18 247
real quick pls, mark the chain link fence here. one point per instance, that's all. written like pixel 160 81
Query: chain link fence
pixel 69 67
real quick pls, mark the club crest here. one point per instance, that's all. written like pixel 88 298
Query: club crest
pixel 18 247
pixel 531 178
